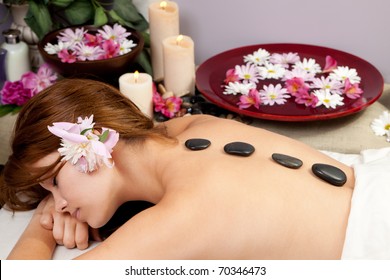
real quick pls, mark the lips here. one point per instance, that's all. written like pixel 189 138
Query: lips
pixel 76 214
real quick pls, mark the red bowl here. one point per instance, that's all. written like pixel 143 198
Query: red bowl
pixel 104 69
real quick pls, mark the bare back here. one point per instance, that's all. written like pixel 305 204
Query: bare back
pixel 219 206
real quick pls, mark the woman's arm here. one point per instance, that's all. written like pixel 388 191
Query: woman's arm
pixel 35 242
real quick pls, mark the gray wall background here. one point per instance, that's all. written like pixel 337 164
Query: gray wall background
pixel 359 27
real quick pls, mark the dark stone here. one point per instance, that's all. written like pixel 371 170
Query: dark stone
pixel 239 149
pixel 287 161
pixel 197 144
pixel 330 174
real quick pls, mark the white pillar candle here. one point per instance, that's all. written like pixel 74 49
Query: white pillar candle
pixel 163 23
pixel 179 65
pixel 138 87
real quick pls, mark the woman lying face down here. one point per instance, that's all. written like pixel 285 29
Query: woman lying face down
pixel 83 149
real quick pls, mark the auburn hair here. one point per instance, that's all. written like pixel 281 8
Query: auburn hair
pixel 64 101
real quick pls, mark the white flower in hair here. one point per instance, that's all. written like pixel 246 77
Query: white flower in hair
pixel 83 146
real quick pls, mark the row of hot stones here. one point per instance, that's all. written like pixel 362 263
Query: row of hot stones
pixel 326 172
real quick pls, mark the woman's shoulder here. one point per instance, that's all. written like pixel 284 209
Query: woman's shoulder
pixel 177 125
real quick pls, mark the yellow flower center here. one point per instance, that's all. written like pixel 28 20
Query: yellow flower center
pixel 247 76
pixel 387 126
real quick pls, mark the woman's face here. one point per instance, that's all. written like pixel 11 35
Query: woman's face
pixel 89 197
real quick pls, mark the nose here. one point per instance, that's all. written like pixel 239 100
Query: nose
pixel 61 205
pixel 60 202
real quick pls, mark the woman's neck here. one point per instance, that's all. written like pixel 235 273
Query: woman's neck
pixel 140 167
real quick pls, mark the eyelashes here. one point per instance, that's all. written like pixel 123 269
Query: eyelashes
pixel 54 181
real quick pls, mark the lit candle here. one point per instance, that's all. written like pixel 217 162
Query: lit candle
pixel 163 23
pixel 179 65
pixel 138 87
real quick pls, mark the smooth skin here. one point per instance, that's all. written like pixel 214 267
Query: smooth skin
pixel 209 205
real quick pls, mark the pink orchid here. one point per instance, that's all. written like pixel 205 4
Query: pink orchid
pixel 92 40
pixel 66 56
pixel 353 91
pixel 15 93
pixel 110 48
pixel 306 98
pixel 295 85
pixel 231 76
pixel 42 79
pixel 330 64
pixel 83 146
pixel 252 99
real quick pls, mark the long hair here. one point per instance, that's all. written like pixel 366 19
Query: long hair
pixel 64 101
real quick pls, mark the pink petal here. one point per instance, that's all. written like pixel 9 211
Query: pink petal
pixel 100 149
pixel 330 64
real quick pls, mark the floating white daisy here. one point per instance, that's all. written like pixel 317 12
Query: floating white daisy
pixel 236 88
pixel 258 57
pixel 309 65
pixel 341 73
pixel 271 71
pixel 381 125
pixel 326 98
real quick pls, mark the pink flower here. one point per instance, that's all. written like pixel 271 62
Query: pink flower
pixel 83 146
pixel 37 82
pixel 111 49
pixel 252 99
pixel 353 91
pixel 66 56
pixel 295 85
pixel 92 40
pixel 306 98
pixel 15 93
pixel 330 64
pixel 231 76
pixel 169 106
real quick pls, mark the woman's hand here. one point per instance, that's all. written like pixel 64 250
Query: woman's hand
pixel 66 229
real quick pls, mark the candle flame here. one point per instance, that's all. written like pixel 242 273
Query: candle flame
pixel 179 39
pixel 136 75
pixel 163 5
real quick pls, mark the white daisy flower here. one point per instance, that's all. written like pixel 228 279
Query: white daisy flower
pixel 56 48
pixel 236 87
pixel 247 73
pixel 285 59
pixel 334 86
pixel 271 71
pixel 258 57
pixel 326 98
pixel 126 46
pixel 298 73
pixel 343 72
pixel 381 125
pixel 309 65
pixel 273 94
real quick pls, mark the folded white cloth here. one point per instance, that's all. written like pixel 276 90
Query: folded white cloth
pixel 368 230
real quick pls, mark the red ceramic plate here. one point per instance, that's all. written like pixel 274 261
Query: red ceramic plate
pixel 211 73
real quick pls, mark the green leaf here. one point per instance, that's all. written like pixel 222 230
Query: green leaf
pixel 84 131
pixel 79 12
pixel 100 17
pixel 144 60
pixel 104 136
pixel 126 10
pixel 61 3
pixel 146 37
pixel 38 19
pixel 9 108
pixel 114 16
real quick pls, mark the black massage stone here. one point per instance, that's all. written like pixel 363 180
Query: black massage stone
pixel 330 174
pixel 197 144
pixel 287 161
pixel 239 149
